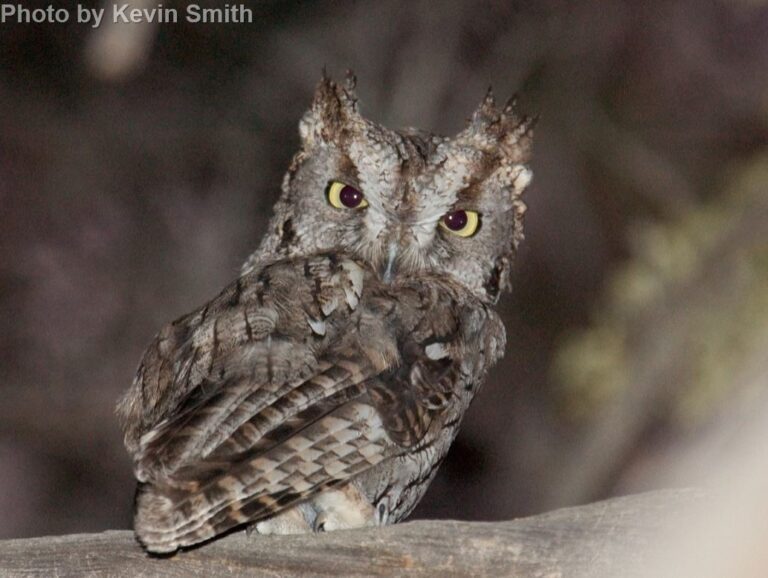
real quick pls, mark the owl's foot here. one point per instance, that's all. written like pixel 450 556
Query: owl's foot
pixel 292 521
pixel 342 509
pixel 330 510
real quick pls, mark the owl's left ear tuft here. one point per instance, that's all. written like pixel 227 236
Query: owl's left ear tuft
pixel 503 130
pixel 334 111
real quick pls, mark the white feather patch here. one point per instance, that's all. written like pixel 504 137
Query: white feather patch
pixel 523 179
pixel 329 307
pixel 355 276
pixel 317 325
pixel 436 351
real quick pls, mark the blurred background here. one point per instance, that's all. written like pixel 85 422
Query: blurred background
pixel 138 166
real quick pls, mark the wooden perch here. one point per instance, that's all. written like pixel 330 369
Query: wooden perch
pixel 602 539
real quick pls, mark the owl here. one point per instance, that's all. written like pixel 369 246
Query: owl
pixel 322 388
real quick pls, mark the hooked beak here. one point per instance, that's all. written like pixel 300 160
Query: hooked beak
pixel 390 265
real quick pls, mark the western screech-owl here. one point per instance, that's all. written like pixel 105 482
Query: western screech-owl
pixel 323 387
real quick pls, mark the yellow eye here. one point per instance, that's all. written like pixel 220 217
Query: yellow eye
pixel 343 196
pixel 461 223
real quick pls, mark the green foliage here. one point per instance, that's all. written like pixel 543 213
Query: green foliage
pixel 709 270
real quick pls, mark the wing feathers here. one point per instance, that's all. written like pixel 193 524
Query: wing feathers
pixel 332 449
pixel 290 382
pixel 237 418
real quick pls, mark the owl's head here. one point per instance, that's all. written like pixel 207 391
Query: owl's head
pixel 406 202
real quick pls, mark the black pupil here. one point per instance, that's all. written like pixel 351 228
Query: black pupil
pixel 350 197
pixel 456 221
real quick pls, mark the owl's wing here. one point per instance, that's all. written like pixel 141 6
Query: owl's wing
pixel 321 447
pixel 280 399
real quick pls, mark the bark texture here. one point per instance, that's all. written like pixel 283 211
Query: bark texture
pixel 616 537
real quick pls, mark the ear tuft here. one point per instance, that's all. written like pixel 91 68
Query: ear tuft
pixel 350 81
pixel 502 131
pixel 334 110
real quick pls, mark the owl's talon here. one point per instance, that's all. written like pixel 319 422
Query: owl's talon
pixel 291 521
pixel 320 523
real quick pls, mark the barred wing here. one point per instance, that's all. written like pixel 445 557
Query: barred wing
pixel 284 385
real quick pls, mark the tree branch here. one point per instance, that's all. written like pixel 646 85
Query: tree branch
pixel 610 538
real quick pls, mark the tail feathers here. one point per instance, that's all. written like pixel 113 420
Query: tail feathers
pixel 165 521
pixel 157 517
pixel 184 513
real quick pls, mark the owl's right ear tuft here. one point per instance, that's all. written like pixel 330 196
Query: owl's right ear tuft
pixel 334 112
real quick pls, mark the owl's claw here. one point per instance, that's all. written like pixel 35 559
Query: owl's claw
pixel 330 521
pixel 342 509
pixel 291 521
pixel 320 523
pixel 251 529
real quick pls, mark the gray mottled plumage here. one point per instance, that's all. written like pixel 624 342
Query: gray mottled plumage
pixel 323 387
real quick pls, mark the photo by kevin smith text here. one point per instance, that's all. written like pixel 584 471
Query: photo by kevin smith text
pixel 126 14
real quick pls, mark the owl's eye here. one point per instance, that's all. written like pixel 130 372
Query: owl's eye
pixel 461 223
pixel 343 196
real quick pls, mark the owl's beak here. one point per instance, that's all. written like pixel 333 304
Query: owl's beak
pixel 390 265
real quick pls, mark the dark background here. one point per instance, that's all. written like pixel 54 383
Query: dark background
pixel 138 166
